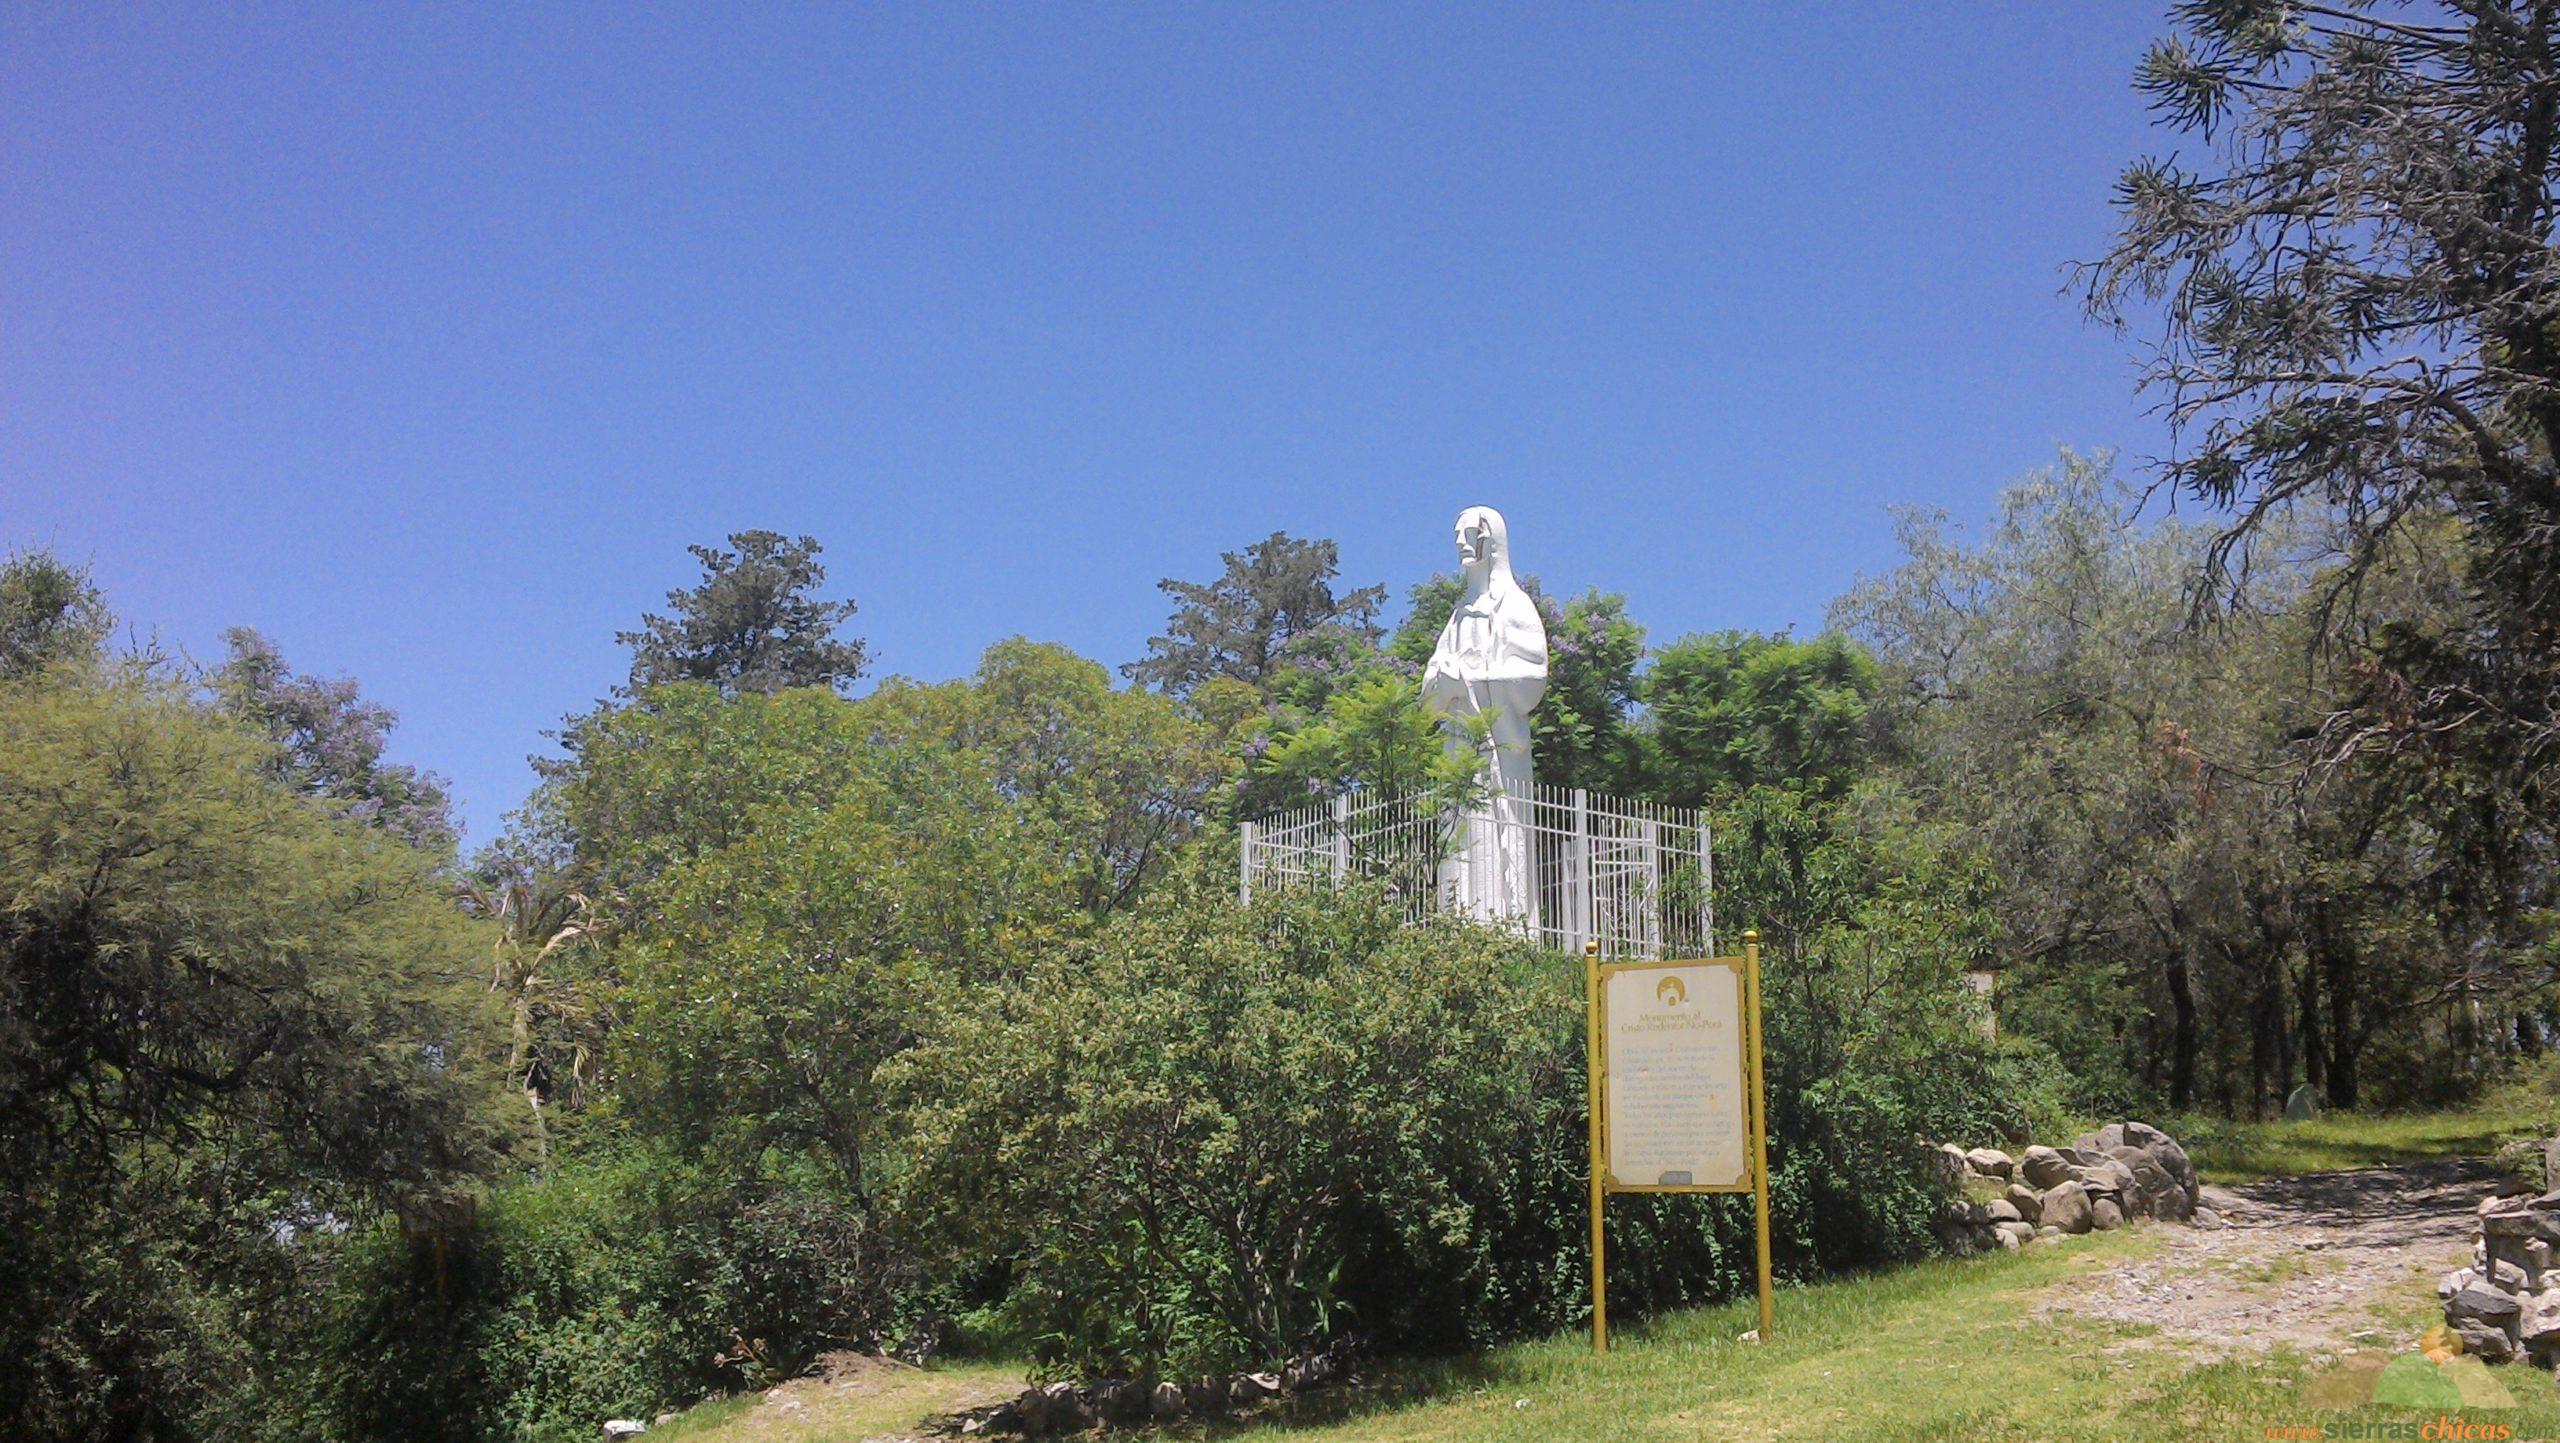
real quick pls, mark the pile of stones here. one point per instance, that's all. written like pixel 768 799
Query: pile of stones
pixel 1075 1407
pixel 2122 1171
pixel 2507 1303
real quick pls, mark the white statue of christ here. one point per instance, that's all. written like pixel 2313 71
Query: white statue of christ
pixel 1491 667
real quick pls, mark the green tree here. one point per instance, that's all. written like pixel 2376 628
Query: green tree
pixel 1120 778
pixel 752 624
pixel 49 612
pixel 328 742
pixel 1241 625
pixel 225 1018
pixel 2354 282
pixel 1731 711
pixel 781 972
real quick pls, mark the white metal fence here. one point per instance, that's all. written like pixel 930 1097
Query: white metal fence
pixel 1635 877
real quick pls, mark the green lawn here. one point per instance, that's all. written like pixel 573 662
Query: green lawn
pixel 2235 1152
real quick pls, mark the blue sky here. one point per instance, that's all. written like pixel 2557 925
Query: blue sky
pixel 425 338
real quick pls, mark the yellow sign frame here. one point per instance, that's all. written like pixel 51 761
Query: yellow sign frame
pixel 1756 1121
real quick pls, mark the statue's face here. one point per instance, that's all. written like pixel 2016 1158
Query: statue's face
pixel 1474 537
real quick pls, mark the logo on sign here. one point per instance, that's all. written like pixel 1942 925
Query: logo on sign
pixel 1671 992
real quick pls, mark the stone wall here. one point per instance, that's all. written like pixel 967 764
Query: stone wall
pixel 2508 1301
pixel 2104 1179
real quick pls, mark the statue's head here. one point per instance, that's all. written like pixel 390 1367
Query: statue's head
pixel 1484 544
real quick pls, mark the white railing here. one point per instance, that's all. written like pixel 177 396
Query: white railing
pixel 1635 877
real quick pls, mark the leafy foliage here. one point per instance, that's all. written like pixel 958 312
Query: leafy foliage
pixel 224 1017
pixel 50 612
pixel 1732 711
pixel 328 743
pixel 1239 626
pixel 2354 290
pixel 751 625
pixel 1181 1131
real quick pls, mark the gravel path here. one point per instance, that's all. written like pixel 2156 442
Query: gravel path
pixel 2304 1262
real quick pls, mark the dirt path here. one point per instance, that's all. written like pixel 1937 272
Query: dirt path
pixel 2315 1263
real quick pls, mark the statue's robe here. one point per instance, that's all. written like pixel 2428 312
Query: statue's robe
pixel 1491 663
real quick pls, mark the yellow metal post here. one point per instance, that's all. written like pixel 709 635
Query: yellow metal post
pixel 1759 1125
pixel 1599 1157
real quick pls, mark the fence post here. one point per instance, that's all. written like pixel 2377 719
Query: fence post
pixel 1580 868
pixel 1653 884
pixel 1706 884
pixel 1244 866
pixel 1341 839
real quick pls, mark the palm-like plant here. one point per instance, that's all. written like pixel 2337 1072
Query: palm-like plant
pixel 542 917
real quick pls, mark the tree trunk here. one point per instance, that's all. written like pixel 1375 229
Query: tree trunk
pixel 2338 968
pixel 2182 1039
pixel 2314 1049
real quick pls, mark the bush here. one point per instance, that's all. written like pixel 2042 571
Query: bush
pixel 1212 1136
pixel 611 1289
pixel 1184 1134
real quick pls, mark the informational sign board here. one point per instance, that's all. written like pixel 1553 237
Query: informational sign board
pixel 1679 1105
pixel 1676 1094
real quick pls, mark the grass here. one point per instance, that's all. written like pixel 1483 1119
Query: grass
pixel 2227 1151
pixel 1949 1350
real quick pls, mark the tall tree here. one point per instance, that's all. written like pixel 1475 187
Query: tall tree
pixel 1240 626
pixel 329 741
pixel 2362 309
pixel 49 612
pixel 1733 710
pixel 752 624
pixel 223 1016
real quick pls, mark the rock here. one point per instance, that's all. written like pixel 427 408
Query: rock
pixel 2551 1163
pixel 2538 1321
pixel 2042 1167
pixel 2153 1193
pixel 2142 1135
pixel 662 1420
pixel 1165 1403
pixel 2486 1319
pixel 624 1427
pixel 2028 1202
pixel 2207 1218
pixel 2048 1232
pixel 2106 1214
pixel 1992 1163
pixel 1252 1387
pixel 1947 1164
pixel 2303 1105
pixel 2013 1235
pixel 1313 1371
pixel 2455 1281
pixel 1206 1395
pixel 2506 1276
pixel 1120 1400
pixel 2067 1207
pixel 2003 1241
pixel 2108 1177
pixel 2519 1217
pixel 2102 1142
pixel 1057 1408
pixel 2001 1210
pixel 2484 1342
pixel 2180 1166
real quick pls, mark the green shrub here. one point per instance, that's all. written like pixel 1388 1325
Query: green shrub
pixel 612 1289
pixel 1214 1136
